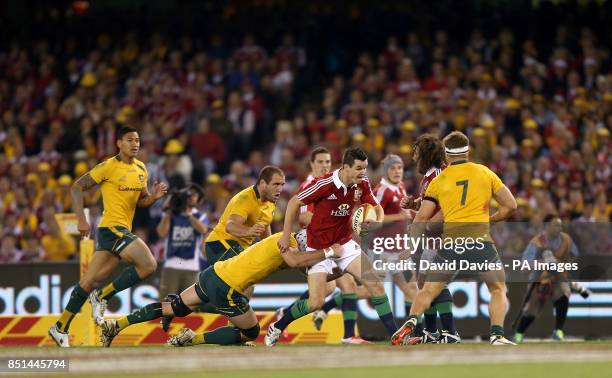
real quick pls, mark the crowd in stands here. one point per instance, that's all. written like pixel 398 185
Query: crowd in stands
pixel 218 114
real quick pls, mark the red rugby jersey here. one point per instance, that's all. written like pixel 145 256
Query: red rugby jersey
pixel 333 206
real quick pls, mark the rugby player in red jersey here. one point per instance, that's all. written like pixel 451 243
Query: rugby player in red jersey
pixel 334 196
pixel 346 299
pixel 430 158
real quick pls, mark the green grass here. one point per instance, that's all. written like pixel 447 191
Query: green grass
pixel 565 370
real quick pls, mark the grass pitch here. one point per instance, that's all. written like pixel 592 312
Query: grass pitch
pixel 575 359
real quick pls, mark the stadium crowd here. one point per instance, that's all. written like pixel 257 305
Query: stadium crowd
pixel 215 116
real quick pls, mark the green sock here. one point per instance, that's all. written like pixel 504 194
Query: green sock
pixel 298 309
pixel 497 330
pixel 127 278
pixel 77 298
pixel 338 299
pixel 349 314
pixel 383 309
pixel 444 307
pixel 228 335
pixel 207 308
pixel 148 312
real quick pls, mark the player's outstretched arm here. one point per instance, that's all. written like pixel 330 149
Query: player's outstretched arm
pixel 158 190
pixel 507 204
pixel 84 183
pixel 296 259
pixel 290 217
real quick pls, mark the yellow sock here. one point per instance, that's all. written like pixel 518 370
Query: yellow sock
pixel 123 322
pixel 64 320
pixel 198 339
pixel 108 289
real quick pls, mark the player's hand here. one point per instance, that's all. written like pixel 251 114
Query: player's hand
pixel 410 202
pixel 283 242
pixel 159 190
pixel 337 248
pixel 256 230
pixel 83 228
pixel 369 226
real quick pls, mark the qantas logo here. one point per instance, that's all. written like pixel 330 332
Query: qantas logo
pixel 332 197
pixel 343 210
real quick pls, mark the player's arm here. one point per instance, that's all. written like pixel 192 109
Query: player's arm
pixel 81 185
pixel 305 218
pixel 267 232
pixel 368 197
pixel 425 213
pixel 235 226
pixel 296 259
pixel 291 214
pixel 507 204
pixel 158 190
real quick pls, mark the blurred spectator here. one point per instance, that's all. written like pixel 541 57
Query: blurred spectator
pixel 57 246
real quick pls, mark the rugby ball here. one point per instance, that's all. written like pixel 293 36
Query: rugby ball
pixel 362 213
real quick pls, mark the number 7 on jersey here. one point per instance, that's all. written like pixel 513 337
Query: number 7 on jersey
pixel 463 183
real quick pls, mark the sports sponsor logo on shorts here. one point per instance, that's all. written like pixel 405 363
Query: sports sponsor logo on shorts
pixel 343 210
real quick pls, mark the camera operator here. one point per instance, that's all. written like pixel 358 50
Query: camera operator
pixel 183 226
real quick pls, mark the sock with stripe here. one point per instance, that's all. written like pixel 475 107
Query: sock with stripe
pixel 349 314
pixel 497 330
pixel 304 295
pixel 333 302
pixel 77 299
pixel 228 335
pixel 148 312
pixel 445 309
pixel 430 319
pixel 298 309
pixel 383 309
pixel 127 278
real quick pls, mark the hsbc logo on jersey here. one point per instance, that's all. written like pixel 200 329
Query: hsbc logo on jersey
pixel 343 210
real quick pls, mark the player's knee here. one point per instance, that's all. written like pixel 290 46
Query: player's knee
pixel 315 303
pixel 147 268
pixel 251 333
pixel 88 284
pixel 179 308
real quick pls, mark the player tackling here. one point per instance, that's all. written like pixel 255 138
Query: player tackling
pixel 223 286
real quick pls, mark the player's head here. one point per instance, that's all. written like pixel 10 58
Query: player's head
pixel 270 183
pixel 428 152
pixel 393 167
pixel 552 225
pixel 128 141
pixel 320 161
pixel 355 164
pixel 456 145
